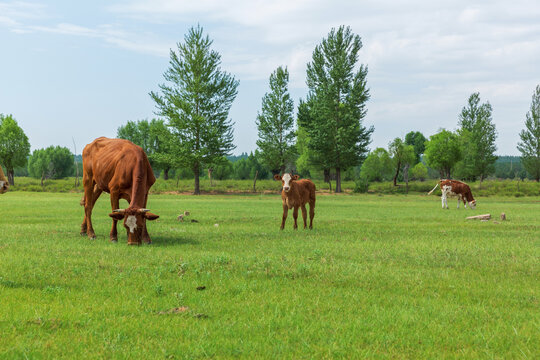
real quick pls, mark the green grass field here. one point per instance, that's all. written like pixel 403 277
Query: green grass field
pixel 378 277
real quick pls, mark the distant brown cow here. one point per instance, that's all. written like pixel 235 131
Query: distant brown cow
pixel 121 169
pixel 455 188
pixel 296 194
pixel 4 184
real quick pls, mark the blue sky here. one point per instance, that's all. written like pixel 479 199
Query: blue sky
pixel 82 69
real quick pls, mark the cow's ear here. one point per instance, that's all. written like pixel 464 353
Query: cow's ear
pixel 296 177
pixel 117 215
pixel 277 177
pixel 150 216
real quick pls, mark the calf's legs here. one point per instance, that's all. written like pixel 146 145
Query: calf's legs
pixel 285 211
pixel 295 216
pixel 304 215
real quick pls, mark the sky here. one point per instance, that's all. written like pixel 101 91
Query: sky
pixel 71 71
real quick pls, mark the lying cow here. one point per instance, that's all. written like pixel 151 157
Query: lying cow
pixel 121 169
pixel 4 184
pixel 455 188
pixel 296 193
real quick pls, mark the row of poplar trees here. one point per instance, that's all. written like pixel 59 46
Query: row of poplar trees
pixel 197 96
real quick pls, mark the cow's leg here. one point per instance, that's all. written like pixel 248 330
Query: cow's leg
pixel 145 235
pixel 442 200
pixel 285 211
pixel 295 216
pixel 311 213
pixel 91 194
pixel 458 201
pixel 115 204
pixel 304 215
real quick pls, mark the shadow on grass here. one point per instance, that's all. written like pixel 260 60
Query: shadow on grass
pixel 168 240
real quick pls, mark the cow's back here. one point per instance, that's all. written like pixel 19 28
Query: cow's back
pixel 113 161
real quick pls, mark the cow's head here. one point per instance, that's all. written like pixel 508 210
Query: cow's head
pixel 472 204
pixel 286 180
pixel 134 222
pixel 4 186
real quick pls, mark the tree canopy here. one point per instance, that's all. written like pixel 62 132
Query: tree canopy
pixel 529 146
pixel 336 103
pixel 14 146
pixel 196 101
pixel 443 151
pixel 275 124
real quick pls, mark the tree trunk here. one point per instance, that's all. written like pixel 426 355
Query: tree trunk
pixel 327 178
pixel 11 177
pixel 196 174
pixel 406 177
pixel 42 178
pixel 255 180
pixel 338 180
pixel 166 173
pixel 397 173
pixel 210 170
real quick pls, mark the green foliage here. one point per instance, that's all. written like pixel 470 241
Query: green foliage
pixel 419 172
pixel 377 166
pixel 478 135
pixel 275 124
pixel 443 151
pixel 14 146
pixel 156 140
pixel 196 101
pixel 418 141
pixel 403 155
pixel 530 138
pixel 54 162
pixel 336 104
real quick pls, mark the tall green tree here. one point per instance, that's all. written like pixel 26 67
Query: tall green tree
pixel 196 101
pixel 275 124
pixel 443 151
pixel 156 140
pixel 337 103
pixel 14 146
pixel 402 155
pixel 478 135
pixel 530 138
pixel 418 141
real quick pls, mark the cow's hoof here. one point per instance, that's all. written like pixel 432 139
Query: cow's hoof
pixel 83 233
pixel 134 243
pixel 114 240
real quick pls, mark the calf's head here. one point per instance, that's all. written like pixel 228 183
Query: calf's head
pixel 286 180
pixel 134 222
pixel 472 204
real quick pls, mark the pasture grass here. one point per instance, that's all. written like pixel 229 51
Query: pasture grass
pixel 377 277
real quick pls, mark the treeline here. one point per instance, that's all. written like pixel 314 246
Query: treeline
pixel 323 137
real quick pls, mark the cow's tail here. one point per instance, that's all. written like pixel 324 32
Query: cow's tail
pixel 429 193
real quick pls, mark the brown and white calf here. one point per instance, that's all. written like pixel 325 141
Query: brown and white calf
pixel 296 194
pixel 455 188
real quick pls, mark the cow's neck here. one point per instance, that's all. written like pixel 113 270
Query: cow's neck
pixel 138 187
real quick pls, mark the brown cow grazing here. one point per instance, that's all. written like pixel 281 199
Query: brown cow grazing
pixel 4 183
pixel 121 169
pixel 296 193
pixel 455 188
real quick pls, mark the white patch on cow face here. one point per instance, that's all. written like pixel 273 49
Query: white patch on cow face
pixel 286 182
pixel 472 204
pixel 131 223
pixel 2 183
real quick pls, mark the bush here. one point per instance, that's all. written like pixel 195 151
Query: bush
pixel 361 185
